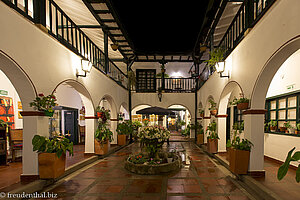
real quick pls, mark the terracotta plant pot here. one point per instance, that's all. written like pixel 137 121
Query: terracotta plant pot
pixel 282 129
pixel 200 139
pixel 50 166
pixel 101 148
pixel 297 132
pixel 239 161
pixel 202 115
pixel 212 145
pixel 122 139
pixel 213 112
pixel 243 106
pixel 273 128
pixel 228 149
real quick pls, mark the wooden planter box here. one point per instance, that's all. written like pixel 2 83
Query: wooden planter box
pixel 239 161
pixel 243 106
pixel 122 140
pixel 212 145
pixel 213 112
pixel 200 139
pixel 228 149
pixel 50 166
pixel 101 148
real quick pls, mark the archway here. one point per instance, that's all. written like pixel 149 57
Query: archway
pixel 136 117
pixel 228 115
pixel 74 103
pixel 123 112
pixel 17 83
pixel 254 123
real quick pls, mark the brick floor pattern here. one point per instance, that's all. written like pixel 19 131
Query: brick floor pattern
pixel 108 179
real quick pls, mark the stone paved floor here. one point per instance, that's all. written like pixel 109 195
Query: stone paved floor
pixel 107 179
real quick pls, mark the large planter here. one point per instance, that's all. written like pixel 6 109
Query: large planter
pixel 200 139
pixel 242 106
pixel 50 166
pixel 122 139
pixel 213 112
pixel 153 169
pixel 212 145
pixel 239 161
pixel 228 150
pixel 101 148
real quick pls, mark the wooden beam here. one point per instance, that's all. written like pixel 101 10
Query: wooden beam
pixel 102 11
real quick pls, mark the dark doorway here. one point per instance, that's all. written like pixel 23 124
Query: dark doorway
pixel 228 124
pixel 71 125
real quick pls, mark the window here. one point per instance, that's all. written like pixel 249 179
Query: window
pixel 237 116
pixel 283 109
pixel 146 80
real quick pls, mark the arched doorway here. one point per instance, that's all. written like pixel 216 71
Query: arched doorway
pixel 123 112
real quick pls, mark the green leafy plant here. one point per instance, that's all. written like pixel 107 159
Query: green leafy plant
pixel 58 145
pixel 201 111
pixel 236 101
pixel 103 134
pixel 283 169
pixel 136 125
pixel 138 158
pixel 44 103
pixel 217 55
pixel 198 127
pixel 213 104
pixel 236 142
pixel 212 130
pixel 125 128
pixel 180 123
pixel 298 126
pixel 288 125
pixel 272 123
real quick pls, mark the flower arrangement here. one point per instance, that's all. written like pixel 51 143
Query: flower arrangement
pixel 125 128
pixel 146 122
pixel 236 101
pixel 138 158
pixel 44 103
pixel 153 137
pixel 103 114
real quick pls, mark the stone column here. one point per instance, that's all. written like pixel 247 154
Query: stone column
pixel 221 130
pixel 113 128
pixel 90 128
pixel 254 131
pixel 34 123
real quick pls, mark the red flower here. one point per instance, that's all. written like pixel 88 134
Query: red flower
pixel 41 95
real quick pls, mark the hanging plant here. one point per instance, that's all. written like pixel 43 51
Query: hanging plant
pixel 131 79
pixel 102 114
pixel 216 55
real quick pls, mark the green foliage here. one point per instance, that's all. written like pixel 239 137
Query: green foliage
pixel 180 123
pixel 186 132
pixel 201 111
pixel 283 169
pixel 125 128
pixel 138 159
pixel 136 125
pixel 213 104
pixel 217 55
pixel 44 103
pixel 58 145
pixel 102 114
pixel 103 134
pixel 228 144
pixel 198 126
pixel 236 101
pixel 212 130
pixel 3 123
pixel 272 123
pixel 288 125
pixel 131 79
pixel 236 142
pixel 298 126
pixel 159 75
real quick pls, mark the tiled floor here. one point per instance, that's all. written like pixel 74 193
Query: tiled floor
pixel 177 136
pixel 287 188
pixel 10 174
pixel 107 179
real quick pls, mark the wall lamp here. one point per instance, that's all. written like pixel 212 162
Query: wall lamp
pixel 220 67
pixel 159 94
pixel 86 66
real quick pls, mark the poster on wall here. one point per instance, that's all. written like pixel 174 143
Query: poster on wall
pixel 7 111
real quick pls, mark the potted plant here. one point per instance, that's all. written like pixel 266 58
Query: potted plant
pixel 200 133
pixel 297 131
pixel 213 107
pixel 163 68
pixel 44 104
pixel 212 138
pixel 217 55
pixel 289 127
pixel 282 171
pixel 282 128
pixel 201 112
pixel 124 129
pixel 102 114
pixel 186 131
pixel 52 155
pixel 180 123
pixel 241 103
pixel 136 125
pixel 146 122
pixel 273 125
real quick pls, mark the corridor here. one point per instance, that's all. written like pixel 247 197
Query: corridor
pixel 200 178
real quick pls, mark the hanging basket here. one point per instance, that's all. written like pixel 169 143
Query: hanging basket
pixel 243 106
pixel 214 112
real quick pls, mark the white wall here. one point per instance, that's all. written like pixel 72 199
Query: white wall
pixel 286 76
pixel 7 86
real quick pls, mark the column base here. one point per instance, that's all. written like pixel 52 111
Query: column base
pixel 28 178
pixel 257 174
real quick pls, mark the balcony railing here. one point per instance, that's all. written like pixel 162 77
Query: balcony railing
pixel 61 27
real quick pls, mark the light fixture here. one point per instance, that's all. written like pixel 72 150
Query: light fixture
pixel 86 66
pixel 220 67
pixel 159 94
pixel 114 46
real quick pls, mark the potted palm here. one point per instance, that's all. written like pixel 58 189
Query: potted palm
pixel 213 107
pixel 212 138
pixel 52 155
pixel 124 129
pixel 273 125
pixel 241 103
pixel 44 104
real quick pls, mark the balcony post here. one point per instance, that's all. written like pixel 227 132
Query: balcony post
pixel 106 61
pixel 249 13
pixel 39 12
